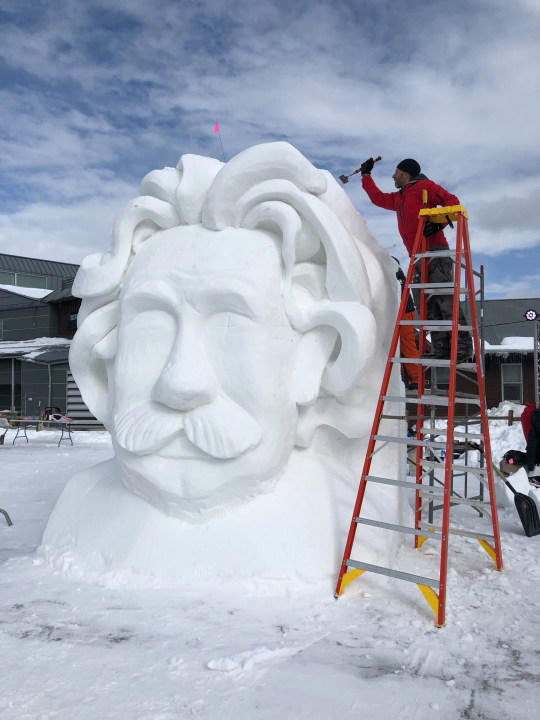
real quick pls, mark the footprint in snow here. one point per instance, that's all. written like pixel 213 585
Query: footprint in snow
pixel 251 659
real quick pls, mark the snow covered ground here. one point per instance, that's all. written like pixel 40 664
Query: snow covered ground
pixel 73 650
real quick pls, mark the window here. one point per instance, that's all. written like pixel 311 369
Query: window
pixel 7 278
pixel 33 281
pixel 511 382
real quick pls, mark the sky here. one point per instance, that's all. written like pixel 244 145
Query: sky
pixel 96 94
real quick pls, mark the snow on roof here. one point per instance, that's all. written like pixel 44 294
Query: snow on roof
pixel 35 293
pixel 33 349
pixel 512 344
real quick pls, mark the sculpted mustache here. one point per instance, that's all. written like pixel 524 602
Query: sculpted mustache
pixel 221 429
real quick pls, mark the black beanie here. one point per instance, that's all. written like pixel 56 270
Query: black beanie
pixel 409 166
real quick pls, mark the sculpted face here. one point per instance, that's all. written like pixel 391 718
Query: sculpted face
pixel 204 406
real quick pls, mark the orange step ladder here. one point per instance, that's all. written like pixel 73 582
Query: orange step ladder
pixel 433 589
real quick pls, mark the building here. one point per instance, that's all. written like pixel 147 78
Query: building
pixel 509 350
pixel 38 318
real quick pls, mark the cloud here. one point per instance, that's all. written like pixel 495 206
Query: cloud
pixel 97 94
pixel 524 286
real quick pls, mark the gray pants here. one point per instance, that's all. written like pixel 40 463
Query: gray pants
pixel 439 307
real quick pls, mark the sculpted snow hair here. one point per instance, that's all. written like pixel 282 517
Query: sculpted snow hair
pixel 335 277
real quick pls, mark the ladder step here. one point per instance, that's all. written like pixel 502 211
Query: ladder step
pixel 437 288
pixel 418 579
pixel 433 363
pixel 423 286
pixel 430 400
pixel 435 253
pixel 392 526
pixel 405 483
pixel 443 291
pixel 470 501
pixel 456 468
pixel 457 433
pixel 411 441
pixel 436 324
pixel 456 531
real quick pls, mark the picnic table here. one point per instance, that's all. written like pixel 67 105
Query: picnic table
pixel 23 423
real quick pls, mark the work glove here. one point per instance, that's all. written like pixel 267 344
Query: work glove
pixel 367 166
pixel 430 228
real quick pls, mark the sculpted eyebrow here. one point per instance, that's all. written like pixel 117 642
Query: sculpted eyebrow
pixel 226 298
pixel 152 293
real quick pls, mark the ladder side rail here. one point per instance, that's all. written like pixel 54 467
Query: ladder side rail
pixel 422 312
pixel 449 459
pixel 484 418
pixel 377 417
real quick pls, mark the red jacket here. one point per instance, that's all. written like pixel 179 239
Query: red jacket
pixel 526 420
pixel 407 203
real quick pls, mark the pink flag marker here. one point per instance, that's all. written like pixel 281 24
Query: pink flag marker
pixel 216 132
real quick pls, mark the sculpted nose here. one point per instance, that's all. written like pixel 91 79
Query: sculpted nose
pixel 187 381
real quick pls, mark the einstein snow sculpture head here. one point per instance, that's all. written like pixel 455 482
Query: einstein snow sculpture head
pixel 242 307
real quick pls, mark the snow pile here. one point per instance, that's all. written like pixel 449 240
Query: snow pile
pixel 233 342
pixel 512 344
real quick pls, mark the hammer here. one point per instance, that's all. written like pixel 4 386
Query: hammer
pixel 345 178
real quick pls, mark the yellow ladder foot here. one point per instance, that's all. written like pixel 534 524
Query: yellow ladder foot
pixel 489 549
pixel 431 597
pixel 348 578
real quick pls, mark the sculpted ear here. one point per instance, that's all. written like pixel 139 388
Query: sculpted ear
pixel 314 350
pixel 338 343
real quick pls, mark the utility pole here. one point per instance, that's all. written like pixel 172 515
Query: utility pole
pixel 533 316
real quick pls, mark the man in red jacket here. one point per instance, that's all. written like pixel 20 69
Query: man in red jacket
pixel 407 202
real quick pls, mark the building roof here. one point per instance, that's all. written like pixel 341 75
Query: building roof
pixel 14 301
pixel 41 350
pixel 505 319
pixel 35 266
pixel 27 292
pixel 511 345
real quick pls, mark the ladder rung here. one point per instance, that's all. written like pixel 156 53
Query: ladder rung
pixel 433 363
pixel 436 324
pixel 418 579
pixel 430 285
pixel 470 501
pixel 445 291
pixel 430 400
pixel 404 483
pixel 435 286
pixel 472 469
pixel 456 531
pixel 391 526
pixel 424 400
pixel 411 441
pixel 435 253
pixel 456 468
pixel 457 433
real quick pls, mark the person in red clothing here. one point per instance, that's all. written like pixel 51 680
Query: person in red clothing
pixel 406 203
pixel 530 422
pixel 407 336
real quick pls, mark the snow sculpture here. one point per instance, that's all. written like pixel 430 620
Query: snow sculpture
pixel 233 342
